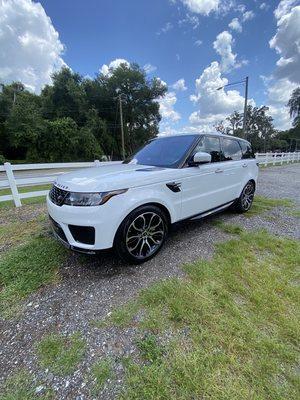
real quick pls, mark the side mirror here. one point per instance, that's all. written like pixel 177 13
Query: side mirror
pixel 201 158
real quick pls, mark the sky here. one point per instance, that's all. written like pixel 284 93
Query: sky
pixel 193 46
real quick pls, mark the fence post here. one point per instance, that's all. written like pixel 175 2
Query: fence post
pixel 282 154
pixel 97 163
pixel 12 184
pixel 274 155
pixel 266 159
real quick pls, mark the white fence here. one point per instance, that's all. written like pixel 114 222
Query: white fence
pixel 277 158
pixel 13 180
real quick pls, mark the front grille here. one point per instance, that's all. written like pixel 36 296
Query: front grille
pixel 57 195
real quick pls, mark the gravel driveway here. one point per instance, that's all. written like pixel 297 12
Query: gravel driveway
pixel 89 290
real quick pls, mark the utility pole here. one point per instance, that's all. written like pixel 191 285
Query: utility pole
pixel 245 108
pixel 122 127
pixel 246 83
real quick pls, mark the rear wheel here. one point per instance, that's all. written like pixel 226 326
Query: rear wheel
pixel 245 200
pixel 142 234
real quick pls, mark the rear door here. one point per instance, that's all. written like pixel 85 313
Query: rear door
pixel 233 168
pixel 203 186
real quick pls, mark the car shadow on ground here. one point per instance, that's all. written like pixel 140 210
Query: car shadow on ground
pixel 106 263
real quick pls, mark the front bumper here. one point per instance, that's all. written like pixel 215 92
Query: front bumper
pixel 70 225
pixel 61 237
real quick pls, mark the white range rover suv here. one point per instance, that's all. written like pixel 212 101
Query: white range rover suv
pixel 130 206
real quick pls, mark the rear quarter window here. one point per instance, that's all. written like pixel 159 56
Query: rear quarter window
pixel 247 151
pixel 231 150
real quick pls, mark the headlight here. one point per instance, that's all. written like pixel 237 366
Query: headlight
pixel 90 199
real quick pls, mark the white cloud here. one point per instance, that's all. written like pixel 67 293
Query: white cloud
pixel 248 15
pixel 264 6
pixel 192 20
pixel 279 92
pixel 214 105
pixel 166 108
pixel 198 43
pixel 148 68
pixel 286 76
pixel 166 28
pixel 106 69
pixel 203 7
pixel 241 8
pixel 286 42
pixel 30 49
pixel 235 25
pixel 179 85
pixel 223 46
pixel 284 7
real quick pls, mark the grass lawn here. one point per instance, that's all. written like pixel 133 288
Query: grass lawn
pixel 101 371
pixel 26 268
pixel 29 258
pixel 21 386
pixel 234 326
pixel 262 204
pixel 229 330
pixel 61 354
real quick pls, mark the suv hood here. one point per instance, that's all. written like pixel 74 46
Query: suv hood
pixel 113 177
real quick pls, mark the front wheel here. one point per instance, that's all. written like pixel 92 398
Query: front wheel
pixel 142 234
pixel 244 202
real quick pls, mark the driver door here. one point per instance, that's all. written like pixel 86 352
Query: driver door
pixel 203 187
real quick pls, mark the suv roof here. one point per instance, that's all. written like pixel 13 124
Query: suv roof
pixel 208 133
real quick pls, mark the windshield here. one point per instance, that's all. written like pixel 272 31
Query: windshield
pixel 166 152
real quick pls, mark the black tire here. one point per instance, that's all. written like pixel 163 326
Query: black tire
pixel 141 235
pixel 244 202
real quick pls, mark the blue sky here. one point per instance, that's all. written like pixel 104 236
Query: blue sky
pixel 179 40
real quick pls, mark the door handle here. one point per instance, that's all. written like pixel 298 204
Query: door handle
pixel 245 165
pixel 219 170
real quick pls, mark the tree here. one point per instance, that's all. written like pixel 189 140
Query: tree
pixel 232 125
pixel 291 138
pixel 98 127
pixel 73 111
pixel 59 141
pixel 65 97
pixel 8 97
pixel 294 106
pixel 260 130
pixel 140 108
pixel 88 146
pixel 24 124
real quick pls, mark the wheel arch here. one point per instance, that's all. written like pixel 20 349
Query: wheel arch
pixel 161 206
pixel 253 181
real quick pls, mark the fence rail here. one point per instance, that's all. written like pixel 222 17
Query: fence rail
pixel 277 158
pixel 10 180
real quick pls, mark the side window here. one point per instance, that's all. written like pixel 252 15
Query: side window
pixel 231 150
pixel 211 145
pixel 246 149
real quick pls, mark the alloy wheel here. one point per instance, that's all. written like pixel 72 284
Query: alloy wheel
pixel 247 196
pixel 145 235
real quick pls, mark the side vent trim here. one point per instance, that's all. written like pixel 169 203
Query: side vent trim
pixel 174 186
